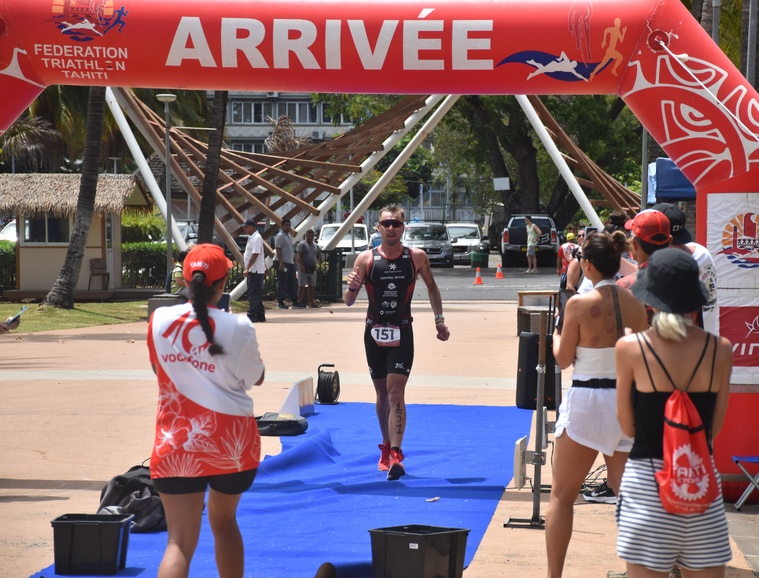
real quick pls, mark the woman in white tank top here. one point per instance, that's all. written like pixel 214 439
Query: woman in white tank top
pixel 587 422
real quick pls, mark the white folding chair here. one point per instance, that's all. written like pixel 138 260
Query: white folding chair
pixel 753 480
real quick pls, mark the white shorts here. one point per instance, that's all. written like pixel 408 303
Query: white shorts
pixel 589 416
pixel 652 537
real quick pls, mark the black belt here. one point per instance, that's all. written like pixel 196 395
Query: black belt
pixel 604 383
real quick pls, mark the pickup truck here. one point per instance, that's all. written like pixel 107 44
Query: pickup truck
pixel 513 247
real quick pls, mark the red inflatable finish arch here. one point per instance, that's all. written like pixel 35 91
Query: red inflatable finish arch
pixel 652 53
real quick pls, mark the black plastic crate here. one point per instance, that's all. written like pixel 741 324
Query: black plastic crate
pixel 417 551
pixel 91 543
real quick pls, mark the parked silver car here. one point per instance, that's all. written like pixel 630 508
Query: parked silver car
pixel 433 239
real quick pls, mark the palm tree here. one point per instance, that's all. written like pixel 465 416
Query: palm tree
pixel 25 141
pixel 62 293
pixel 207 211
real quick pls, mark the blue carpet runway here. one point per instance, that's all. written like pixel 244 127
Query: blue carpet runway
pixel 317 500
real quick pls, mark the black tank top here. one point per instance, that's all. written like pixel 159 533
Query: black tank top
pixel 390 287
pixel 649 408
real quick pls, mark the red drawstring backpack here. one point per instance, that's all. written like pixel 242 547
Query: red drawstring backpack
pixel 687 483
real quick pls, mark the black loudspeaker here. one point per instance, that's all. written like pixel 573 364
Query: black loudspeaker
pixel 527 372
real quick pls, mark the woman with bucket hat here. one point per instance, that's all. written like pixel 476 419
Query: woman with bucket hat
pixel 206 360
pixel 672 353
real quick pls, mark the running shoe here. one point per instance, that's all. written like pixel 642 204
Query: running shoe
pixel 396 467
pixel 601 494
pixel 298 306
pixel 384 463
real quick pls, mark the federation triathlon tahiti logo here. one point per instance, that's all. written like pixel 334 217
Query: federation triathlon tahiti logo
pixel 740 241
pixel 86 20
pixel 691 480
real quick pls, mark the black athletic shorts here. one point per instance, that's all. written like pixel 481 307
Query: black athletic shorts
pixel 384 360
pixel 232 484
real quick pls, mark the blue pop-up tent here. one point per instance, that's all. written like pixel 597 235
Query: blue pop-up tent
pixel 667 183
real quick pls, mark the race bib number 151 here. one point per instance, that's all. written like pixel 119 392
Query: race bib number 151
pixel 387 336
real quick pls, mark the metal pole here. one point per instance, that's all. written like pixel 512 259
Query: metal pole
pixel 540 426
pixel 716 6
pixel 421 201
pixel 751 53
pixel 169 240
pixel 644 172
pixel 166 99
pixel 353 228
pixel 112 99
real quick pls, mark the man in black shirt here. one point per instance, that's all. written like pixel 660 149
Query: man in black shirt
pixel 389 274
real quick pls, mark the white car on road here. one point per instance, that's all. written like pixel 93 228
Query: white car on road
pixel 360 241
pixel 466 238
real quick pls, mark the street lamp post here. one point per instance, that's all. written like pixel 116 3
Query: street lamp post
pixel 166 99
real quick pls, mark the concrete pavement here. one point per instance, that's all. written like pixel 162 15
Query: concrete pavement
pixel 78 407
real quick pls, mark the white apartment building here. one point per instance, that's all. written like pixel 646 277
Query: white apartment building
pixel 249 117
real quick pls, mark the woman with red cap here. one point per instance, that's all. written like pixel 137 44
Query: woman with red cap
pixel 206 433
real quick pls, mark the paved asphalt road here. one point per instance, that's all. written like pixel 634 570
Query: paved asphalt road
pixel 457 284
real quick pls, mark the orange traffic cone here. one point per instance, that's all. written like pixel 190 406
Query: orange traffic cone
pixel 478 278
pixel 499 272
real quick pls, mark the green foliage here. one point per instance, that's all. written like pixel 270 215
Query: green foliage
pixel 453 153
pixel 357 107
pixel 7 265
pixel 138 227
pixel 144 264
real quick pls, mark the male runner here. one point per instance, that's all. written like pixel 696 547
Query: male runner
pixel 389 274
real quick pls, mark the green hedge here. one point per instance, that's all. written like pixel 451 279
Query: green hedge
pixel 7 265
pixel 144 265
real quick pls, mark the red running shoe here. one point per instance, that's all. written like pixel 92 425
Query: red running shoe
pixel 384 463
pixel 396 467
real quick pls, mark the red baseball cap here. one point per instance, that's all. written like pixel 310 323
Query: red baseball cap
pixel 209 259
pixel 650 226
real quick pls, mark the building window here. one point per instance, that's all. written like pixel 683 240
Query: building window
pixel 47 230
pixel 248 147
pixel 246 112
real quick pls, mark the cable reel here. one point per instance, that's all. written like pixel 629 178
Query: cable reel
pixel 327 385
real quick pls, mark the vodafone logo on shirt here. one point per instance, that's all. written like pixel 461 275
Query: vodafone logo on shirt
pixel 187 334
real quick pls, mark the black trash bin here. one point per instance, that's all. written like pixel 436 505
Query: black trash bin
pixel 329 276
pixel 418 551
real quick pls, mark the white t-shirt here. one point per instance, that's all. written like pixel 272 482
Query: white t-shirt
pixel 255 245
pixel 708 272
pixel 220 383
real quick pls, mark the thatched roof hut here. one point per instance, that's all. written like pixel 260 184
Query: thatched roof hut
pixel 57 193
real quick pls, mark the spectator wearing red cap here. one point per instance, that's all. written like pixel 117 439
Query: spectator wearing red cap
pixel 206 434
pixel 650 232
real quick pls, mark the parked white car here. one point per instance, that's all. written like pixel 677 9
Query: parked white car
pixel 360 237
pixel 9 232
pixel 466 238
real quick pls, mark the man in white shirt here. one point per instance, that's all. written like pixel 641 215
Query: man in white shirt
pixel 254 270
pixel 682 239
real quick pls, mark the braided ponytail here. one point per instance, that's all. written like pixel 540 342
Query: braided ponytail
pixel 200 295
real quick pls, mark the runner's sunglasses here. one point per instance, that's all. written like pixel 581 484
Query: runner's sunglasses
pixel 395 223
